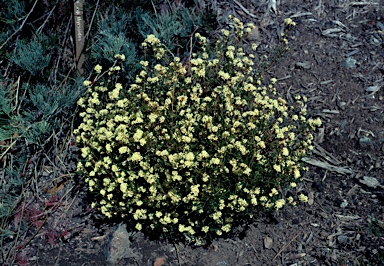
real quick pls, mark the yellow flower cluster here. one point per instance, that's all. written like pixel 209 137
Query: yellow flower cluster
pixel 191 148
pixel 289 22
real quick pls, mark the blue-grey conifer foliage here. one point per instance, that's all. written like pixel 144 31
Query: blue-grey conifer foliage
pixel 30 56
pixel 111 38
pixel 172 22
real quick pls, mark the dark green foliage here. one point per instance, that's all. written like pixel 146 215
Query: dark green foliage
pixel 5 107
pixel 13 12
pixel 6 130
pixel 49 101
pixel 11 185
pixel 45 105
pixel 38 132
pixel 41 108
pixel 168 25
pixel 111 39
pixel 122 30
pixel 31 56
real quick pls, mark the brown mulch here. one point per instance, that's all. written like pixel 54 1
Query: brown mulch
pixel 336 59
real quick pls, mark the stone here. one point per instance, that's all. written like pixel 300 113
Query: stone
pixel 365 142
pixel 268 242
pixel 344 204
pixel 342 239
pixel 350 62
pixel 119 246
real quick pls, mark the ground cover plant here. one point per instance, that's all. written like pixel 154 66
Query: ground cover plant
pixel 193 147
pixel 39 87
pixel 334 63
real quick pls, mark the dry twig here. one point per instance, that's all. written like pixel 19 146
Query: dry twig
pixel 22 25
pixel 285 246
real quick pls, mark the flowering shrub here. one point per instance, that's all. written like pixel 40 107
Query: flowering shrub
pixel 191 147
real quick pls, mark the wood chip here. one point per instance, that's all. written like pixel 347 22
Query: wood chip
pixel 325 82
pixel 363 3
pixel 370 181
pixel 304 65
pixel 348 217
pixel 244 9
pixel 352 190
pixel 327 111
pixel 301 14
pixel 373 88
pixel 327 166
pixel 325 154
pixel 272 6
pixel 329 32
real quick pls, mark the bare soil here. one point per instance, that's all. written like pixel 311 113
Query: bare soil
pixel 336 59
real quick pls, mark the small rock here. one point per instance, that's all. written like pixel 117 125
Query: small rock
pixel 311 198
pixel 304 65
pixel 350 62
pixel 342 239
pixel 324 215
pixel 380 25
pixel 268 242
pixel 160 261
pixel 370 181
pixel 344 204
pixel 119 246
pixel 365 142
pixel 324 234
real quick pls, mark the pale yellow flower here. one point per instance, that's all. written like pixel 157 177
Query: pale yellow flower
pixel 226 228
pixel 273 192
pixel 215 161
pixel 189 156
pixel 297 173
pixel 123 187
pixel 289 22
pixel 225 32
pixel 120 56
pixel 205 229
pixel 123 149
pixel 98 69
pixel 138 226
pixel 217 215
pixel 277 168
pixel 279 204
pixel 303 198
pixel 136 156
